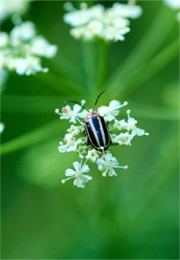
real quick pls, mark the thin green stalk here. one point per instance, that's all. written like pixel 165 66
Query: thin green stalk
pixel 89 62
pixel 147 46
pixel 102 68
pixel 45 132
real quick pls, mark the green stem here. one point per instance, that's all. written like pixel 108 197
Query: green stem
pixel 89 62
pixel 37 135
pixel 102 64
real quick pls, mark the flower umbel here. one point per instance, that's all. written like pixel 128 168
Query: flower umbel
pixel 22 50
pixel 122 132
pixel 109 24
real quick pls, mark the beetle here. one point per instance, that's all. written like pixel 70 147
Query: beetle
pixel 96 128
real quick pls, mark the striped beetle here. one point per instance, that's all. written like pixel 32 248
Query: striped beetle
pixel 96 129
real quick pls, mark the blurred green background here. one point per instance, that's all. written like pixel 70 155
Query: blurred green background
pixel 132 216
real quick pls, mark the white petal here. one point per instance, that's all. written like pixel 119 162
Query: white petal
pixel 100 161
pixel 76 165
pixel 102 110
pixel 87 178
pixel 114 104
pixel 85 169
pixel 108 156
pixel 76 108
pixel 79 183
pixel 112 172
pixel 70 172
pixel 109 117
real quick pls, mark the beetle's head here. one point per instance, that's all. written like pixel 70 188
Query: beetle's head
pixel 91 114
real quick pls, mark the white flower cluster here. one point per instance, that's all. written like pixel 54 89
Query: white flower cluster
pixel 109 24
pixel 121 132
pixel 175 5
pixel 22 49
pixel 12 7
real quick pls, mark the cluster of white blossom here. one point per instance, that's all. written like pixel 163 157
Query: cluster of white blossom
pixel 121 132
pixel 22 49
pixel 12 7
pixel 175 5
pixel 109 24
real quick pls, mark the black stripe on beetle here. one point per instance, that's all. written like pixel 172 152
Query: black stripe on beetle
pixel 96 129
pixel 97 133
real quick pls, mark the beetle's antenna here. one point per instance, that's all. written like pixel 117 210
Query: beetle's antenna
pixel 97 99
pixel 75 102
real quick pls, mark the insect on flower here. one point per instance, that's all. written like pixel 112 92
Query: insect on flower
pixel 95 127
pixel 93 148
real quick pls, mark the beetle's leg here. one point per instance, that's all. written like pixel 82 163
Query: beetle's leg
pixel 87 141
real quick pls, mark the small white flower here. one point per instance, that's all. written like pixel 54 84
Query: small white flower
pixel 2 126
pixel 71 144
pixel 77 174
pixel 122 138
pixel 139 132
pixel 22 33
pixel 92 155
pixel 82 150
pixel 73 115
pixel 75 130
pixel 41 47
pixel 107 164
pixel 131 126
pixel 131 123
pixel 120 124
pixel 110 112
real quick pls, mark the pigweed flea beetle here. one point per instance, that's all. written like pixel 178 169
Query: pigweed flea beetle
pixel 96 129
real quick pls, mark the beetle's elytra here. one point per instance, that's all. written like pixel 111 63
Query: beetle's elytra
pixel 97 132
pixel 96 129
